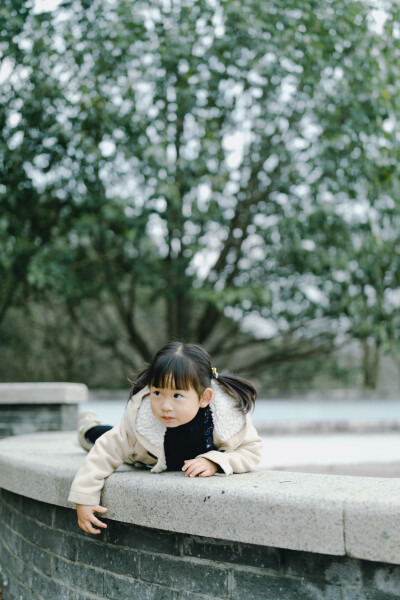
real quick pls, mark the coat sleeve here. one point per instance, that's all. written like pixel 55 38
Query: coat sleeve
pixel 241 459
pixel 108 453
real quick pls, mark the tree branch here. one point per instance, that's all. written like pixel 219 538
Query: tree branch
pixel 285 355
pixel 135 338
pixel 8 299
pixel 107 342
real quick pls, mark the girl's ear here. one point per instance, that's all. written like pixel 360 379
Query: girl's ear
pixel 206 397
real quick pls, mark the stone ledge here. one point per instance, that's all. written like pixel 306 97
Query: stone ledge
pixel 43 393
pixel 325 514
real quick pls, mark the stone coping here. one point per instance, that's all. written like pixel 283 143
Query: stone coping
pixel 328 427
pixel 43 393
pixel 327 514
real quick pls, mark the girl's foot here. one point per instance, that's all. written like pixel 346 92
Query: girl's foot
pixel 86 420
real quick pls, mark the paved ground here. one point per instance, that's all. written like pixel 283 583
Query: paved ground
pixel 376 454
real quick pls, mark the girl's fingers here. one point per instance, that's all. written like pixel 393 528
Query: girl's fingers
pixel 205 473
pixel 87 518
pixel 192 464
pixel 195 471
pixel 87 527
pixel 92 530
pixel 200 467
pixel 190 469
pixel 97 522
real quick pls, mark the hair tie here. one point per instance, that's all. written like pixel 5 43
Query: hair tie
pixel 214 372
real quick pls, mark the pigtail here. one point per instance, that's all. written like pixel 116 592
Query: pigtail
pixel 242 390
pixel 140 381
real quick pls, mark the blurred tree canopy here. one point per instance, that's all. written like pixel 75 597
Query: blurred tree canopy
pixel 219 171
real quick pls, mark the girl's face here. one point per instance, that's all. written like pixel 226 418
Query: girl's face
pixel 176 407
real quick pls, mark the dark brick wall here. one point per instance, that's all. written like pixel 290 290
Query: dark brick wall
pixel 45 556
pixel 17 419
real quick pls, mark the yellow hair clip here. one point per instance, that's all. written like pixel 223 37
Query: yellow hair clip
pixel 214 372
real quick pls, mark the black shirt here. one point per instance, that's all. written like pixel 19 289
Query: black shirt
pixel 186 441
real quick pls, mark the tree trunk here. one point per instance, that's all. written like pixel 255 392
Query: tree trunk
pixel 371 362
pixel 178 317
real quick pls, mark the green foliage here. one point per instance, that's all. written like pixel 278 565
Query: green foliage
pixel 217 167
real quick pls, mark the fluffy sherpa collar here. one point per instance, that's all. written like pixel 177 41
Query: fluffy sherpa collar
pixel 227 418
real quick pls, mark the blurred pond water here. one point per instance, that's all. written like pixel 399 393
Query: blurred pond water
pixel 281 410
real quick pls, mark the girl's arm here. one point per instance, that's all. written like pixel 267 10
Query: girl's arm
pixel 108 453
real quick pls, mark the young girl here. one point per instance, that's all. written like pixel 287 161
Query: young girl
pixel 181 415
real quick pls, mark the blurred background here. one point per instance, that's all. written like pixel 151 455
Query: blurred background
pixel 217 171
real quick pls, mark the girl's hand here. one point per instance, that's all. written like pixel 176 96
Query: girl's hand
pixel 86 518
pixel 199 466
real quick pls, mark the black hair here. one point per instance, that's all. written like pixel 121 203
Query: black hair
pixel 183 366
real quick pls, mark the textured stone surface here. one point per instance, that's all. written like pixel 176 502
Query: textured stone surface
pixel 182 567
pixel 233 552
pixel 254 586
pixel 372 519
pixel 295 511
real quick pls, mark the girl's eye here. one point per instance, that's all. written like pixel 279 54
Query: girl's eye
pixel 178 395
pixel 157 393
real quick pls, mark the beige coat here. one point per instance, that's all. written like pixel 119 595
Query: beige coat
pixel 139 437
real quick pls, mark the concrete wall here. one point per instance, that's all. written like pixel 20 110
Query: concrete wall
pixel 33 407
pixel 44 556
pixel 263 535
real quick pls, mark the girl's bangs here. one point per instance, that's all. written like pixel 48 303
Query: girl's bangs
pixel 174 372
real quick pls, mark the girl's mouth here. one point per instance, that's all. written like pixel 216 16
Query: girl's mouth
pixel 167 418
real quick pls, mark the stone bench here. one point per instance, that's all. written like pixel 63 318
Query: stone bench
pixel 267 534
pixel 32 407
